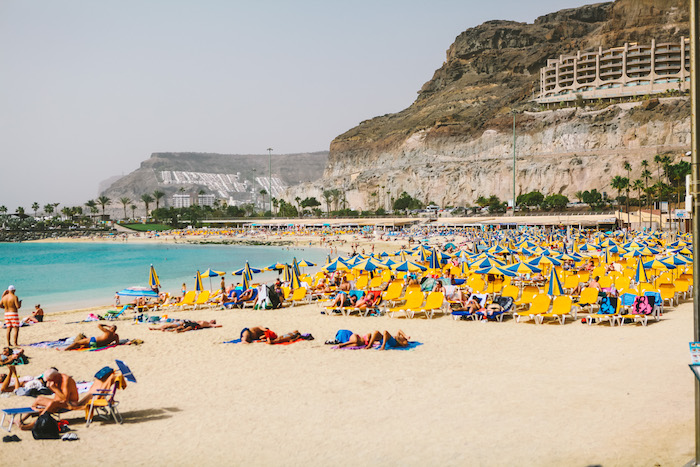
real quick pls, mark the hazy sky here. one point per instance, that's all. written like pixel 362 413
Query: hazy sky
pixel 89 89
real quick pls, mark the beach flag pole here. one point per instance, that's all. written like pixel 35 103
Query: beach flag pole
pixel 695 174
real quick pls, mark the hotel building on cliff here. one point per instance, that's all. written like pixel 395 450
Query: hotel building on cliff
pixel 630 70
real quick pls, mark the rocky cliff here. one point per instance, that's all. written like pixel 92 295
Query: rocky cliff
pixel 228 176
pixel 455 142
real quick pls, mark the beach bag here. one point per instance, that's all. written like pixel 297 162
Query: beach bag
pixel 45 427
pixel 273 298
pixel 608 306
pixel 641 306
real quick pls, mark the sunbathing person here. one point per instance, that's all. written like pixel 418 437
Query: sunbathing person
pixel 186 325
pixel 8 385
pixel 65 396
pixel 354 340
pixel 247 296
pixel 109 336
pixel 387 340
pixel 257 333
pixel 289 337
pixel 37 316
pixel 369 300
pixel 8 357
pixel 344 299
pixel 104 379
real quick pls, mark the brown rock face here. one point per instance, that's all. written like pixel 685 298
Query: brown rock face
pixel 458 132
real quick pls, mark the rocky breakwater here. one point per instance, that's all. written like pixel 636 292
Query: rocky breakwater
pixel 455 142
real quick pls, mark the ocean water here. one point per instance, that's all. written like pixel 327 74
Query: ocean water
pixel 63 276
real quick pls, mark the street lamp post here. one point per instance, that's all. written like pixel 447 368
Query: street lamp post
pixel 269 178
pixel 695 174
pixel 514 162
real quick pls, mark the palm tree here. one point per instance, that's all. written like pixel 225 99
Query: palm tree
pixel 124 202
pixel 263 192
pixel 660 161
pixel 48 209
pixel 275 203
pixel 133 211
pixel 298 200
pixel 639 186
pixel 646 175
pixel 618 184
pixel 3 209
pixel 147 200
pixel 328 197
pixel 35 207
pixel 103 201
pixel 20 211
pixel 157 195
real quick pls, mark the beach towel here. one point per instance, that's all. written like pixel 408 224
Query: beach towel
pixel 411 346
pixel 642 305
pixel 65 342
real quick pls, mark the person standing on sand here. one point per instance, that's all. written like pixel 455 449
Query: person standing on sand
pixel 11 305
pixel 184 289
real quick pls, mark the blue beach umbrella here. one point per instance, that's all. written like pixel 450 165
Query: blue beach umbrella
pixel 434 261
pixel 153 278
pixel 337 265
pixel 369 265
pixel 211 273
pixel 555 287
pixel 496 270
pixel 198 282
pixel 409 266
pixel 294 281
pixel 640 274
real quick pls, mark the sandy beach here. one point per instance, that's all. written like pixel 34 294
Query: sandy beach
pixel 473 394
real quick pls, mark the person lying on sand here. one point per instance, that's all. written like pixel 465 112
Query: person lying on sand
pixel 186 325
pixel 289 337
pixel 8 357
pixel 10 382
pixel 109 335
pixel 386 339
pixel 257 333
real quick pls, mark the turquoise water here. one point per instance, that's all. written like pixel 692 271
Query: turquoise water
pixel 62 276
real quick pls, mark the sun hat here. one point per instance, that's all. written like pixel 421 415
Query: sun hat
pixel 11 288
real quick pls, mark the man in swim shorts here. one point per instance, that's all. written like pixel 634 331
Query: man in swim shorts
pixel 65 395
pixel 109 336
pixel 257 333
pixel 11 305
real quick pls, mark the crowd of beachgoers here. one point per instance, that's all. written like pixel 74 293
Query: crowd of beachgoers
pixel 404 286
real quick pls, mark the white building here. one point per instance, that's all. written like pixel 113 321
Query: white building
pixel 182 201
pixel 206 200
pixel 630 70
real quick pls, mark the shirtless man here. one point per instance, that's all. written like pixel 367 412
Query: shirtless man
pixel 109 335
pixel 37 315
pixel 11 305
pixel 249 335
pixel 186 325
pixel 65 396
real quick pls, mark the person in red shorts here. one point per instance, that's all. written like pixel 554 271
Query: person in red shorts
pixel 11 305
